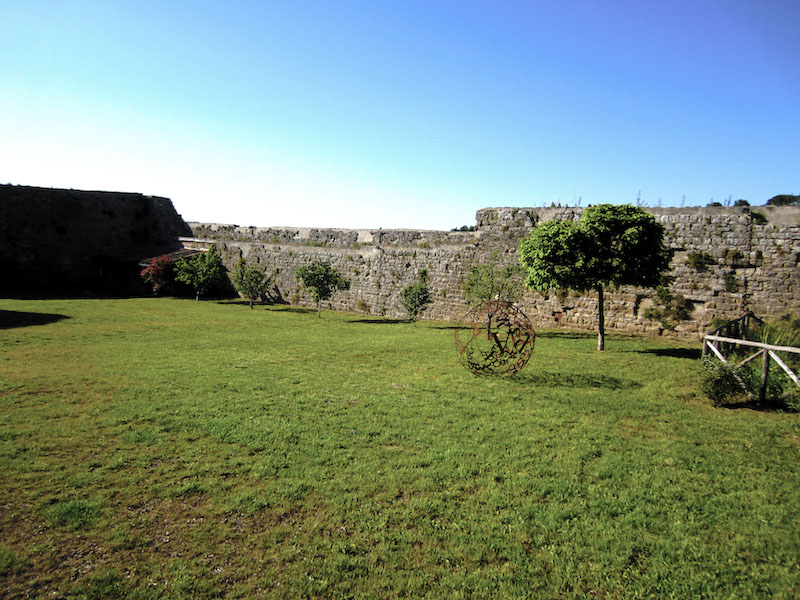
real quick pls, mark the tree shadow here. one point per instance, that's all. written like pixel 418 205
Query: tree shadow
pixel 576 380
pixel 567 335
pixel 10 319
pixel 379 321
pixel 292 309
pixel 690 353
pixel 755 406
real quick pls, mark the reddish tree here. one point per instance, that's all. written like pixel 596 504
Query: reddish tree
pixel 159 273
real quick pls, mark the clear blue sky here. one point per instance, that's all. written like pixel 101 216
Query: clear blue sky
pixel 401 114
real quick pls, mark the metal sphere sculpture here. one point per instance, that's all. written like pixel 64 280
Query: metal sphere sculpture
pixel 496 339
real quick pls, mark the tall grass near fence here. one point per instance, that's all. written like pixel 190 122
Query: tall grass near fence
pixel 160 448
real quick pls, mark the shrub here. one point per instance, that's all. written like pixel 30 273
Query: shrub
pixel 159 274
pixel 700 261
pixel 783 200
pixel 720 383
pixel 733 256
pixel 493 280
pixel 204 272
pixel 792 401
pixel 251 281
pixel 785 332
pixel 416 297
pixel 731 283
pixel 322 280
pixel 670 309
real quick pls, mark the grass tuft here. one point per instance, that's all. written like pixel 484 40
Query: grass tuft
pixel 74 514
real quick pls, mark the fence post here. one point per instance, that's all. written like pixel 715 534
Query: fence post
pixel 762 393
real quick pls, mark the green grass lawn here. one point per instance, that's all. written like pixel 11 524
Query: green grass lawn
pixel 162 448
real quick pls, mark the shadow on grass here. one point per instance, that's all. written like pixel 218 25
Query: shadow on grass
pixel 576 380
pixel 566 335
pixel 10 319
pixel 691 353
pixel 452 327
pixel 269 302
pixel 378 321
pixel 291 309
pixel 758 407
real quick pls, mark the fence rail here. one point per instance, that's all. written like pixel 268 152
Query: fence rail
pixel 768 352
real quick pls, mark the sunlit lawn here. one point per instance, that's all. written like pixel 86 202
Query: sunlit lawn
pixel 161 448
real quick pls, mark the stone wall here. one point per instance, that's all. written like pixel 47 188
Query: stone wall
pixel 57 242
pixel 378 263
pixel 753 257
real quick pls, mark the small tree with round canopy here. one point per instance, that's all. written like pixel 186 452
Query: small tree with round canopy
pixel 322 280
pixel 612 245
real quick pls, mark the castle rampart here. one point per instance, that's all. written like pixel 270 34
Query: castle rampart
pixel 726 261
pixel 56 241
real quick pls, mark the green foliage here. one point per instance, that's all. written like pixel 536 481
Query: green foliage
pixel 555 254
pixel 322 280
pixel 626 246
pixel 612 245
pixel 204 272
pixel 792 400
pixel 784 332
pixel 251 281
pixel 669 309
pixel 741 202
pixel 700 261
pixel 492 281
pixel 733 256
pixel 362 305
pixel 783 200
pixel 416 297
pixel 731 283
pixel 722 384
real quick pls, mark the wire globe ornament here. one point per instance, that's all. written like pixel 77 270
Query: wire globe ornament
pixel 496 339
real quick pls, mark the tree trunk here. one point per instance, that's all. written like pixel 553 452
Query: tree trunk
pixel 319 309
pixel 251 305
pixel 601 320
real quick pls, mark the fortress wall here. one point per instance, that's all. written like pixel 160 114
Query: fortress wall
pixel 70 241
pixel 755 252
pixel 378 263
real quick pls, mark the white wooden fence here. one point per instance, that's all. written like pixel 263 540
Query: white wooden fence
pixel 717 345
